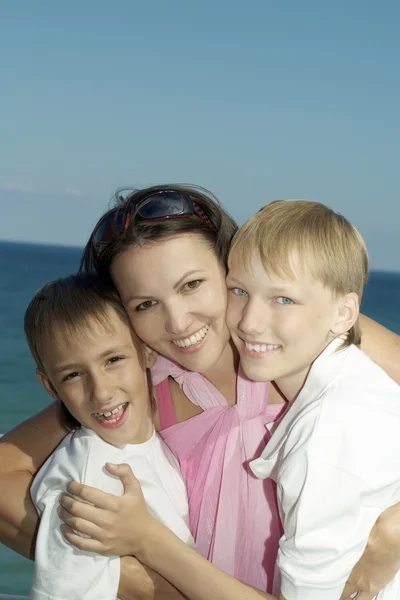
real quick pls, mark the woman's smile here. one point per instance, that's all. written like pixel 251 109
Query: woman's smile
pixel 180 310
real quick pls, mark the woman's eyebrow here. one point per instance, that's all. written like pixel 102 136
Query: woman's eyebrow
pixel 176 285
pixel 135 297
pixel 182 279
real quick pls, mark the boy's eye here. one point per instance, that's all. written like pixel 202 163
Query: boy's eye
pixel 146 305
pixel 71 376
pixel 115 359
pixel 284 300
pixel 191 285
pixel 238 291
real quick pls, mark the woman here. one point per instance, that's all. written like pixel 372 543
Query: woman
pixel 165 250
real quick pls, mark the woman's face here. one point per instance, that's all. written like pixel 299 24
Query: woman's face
pixel 175 294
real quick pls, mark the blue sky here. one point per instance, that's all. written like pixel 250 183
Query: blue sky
pixel 255 100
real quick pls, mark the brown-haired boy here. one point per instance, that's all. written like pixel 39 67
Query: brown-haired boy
pixel 89 358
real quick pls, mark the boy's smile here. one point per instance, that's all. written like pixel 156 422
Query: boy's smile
pixel 100 376
pixel 279 325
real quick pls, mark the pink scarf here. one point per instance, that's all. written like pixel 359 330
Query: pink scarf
pixel 233 515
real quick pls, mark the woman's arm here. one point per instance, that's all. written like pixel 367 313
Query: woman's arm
pixel 197 578
pixel 22 451
pixel 139 582
pixel 156 546
pixel 381 558
pixel 106 519
pixel 382 346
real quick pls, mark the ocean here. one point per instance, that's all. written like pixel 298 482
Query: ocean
pixel 26 267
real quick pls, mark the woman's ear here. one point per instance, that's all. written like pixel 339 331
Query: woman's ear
pixel 46 383
pixel 150 356
pixel 348 312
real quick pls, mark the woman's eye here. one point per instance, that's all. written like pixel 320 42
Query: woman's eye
pixel 238 291
pixel 146 305
pixel 284 300
pixel 191 285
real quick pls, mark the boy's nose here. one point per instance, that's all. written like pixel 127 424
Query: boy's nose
pixel 102 390
pixel 254 320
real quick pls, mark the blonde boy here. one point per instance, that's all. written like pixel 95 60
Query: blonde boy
pixel 296 276
pixel 89 358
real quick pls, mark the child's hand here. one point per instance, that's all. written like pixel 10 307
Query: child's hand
pixel 115 525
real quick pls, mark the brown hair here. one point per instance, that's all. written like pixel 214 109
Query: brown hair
pixel 65 305
pixel 327 245
pixel 140 233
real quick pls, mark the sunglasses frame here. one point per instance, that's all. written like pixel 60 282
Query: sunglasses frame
pixel 132 211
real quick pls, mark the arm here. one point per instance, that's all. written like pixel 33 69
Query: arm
pixel 325 530
pixel 158 548
pixel 382 346
pixel 139 582
pixel 381 558
pixel 197 578
pixel 61 571
pixel 22 452
pixel 107 519
pixel 332 494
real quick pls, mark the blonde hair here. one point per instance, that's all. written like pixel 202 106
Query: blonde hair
pixel 325 243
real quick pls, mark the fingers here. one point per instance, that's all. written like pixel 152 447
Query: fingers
pixel 103 517
pixel 348 593
pixel 129 481
pixel 81 525
pixel 81 510
pixel 93 495
pixel 102 499
pixel 357 595
pixel 86 544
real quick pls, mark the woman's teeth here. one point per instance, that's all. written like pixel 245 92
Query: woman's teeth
pixel 261 347
pixel 193 339
pixel 112 416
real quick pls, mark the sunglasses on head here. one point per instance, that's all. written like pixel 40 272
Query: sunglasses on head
pixel 157 206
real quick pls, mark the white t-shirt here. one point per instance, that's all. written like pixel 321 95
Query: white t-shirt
pixel 335 455
pixel 61 571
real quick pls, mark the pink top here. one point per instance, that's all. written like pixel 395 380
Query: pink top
pixel 165 406
pixel 233 516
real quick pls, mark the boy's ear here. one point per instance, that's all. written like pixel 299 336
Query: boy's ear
pixel 150 356
pixel 46 383
pixel 349 309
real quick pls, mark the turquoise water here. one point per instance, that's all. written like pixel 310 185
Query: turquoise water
pixel 24 269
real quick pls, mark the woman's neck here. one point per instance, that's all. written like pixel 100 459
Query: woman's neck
pixel 224 374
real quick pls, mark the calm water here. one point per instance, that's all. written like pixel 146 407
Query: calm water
pixel 24 268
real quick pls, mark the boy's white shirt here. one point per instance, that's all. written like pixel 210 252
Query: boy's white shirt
pixel 63 572
pixel 335 456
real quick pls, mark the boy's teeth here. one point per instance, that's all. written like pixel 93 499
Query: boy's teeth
pixel 193 339
pixel 261 347
pixel 112 412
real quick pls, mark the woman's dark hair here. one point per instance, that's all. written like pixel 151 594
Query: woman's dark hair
pixel 141 232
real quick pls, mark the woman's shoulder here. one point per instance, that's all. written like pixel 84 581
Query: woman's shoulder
pixel 164 368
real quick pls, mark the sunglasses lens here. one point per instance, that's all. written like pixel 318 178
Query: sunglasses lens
pixel 161 205
pixel 165 204
pixel 107 230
